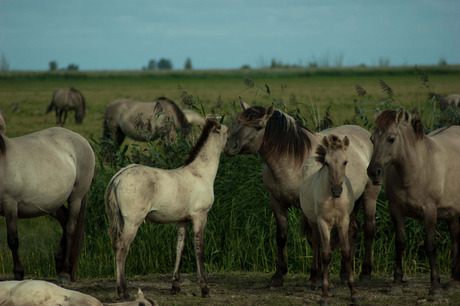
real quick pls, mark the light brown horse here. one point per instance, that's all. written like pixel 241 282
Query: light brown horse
pixel 65 99
pixel 139 193
pixel 284 144
pixel 420 174
pixel 140 121
pixel 39 173
pixel 332 182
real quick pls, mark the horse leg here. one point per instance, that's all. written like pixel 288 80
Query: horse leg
pixel 325 233
pixel 280 212
pixel 11 218
pixel 315 265
pixel 347 257
pixel 121 247
pixel 58 115
pixel 199 224
pixel 369 201
pixel 352 237
pixel 454 228
pixel 65 117
pixel 181 235
pixel 61 216
pixel 400 245
pixel 430 228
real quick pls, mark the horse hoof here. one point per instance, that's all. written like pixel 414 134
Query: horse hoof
pixel 63 278
pixel 205 292
pixel 324 302
pixel 356 300
pixel 396 290
pixel 311 287
pixel 175 289
pixel 435 295
pixel 364 278
pixel 276 281
pixel 19 276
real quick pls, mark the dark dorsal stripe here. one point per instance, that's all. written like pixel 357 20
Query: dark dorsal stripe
pixel 210 124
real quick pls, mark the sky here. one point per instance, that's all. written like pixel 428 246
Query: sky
pixel 227 34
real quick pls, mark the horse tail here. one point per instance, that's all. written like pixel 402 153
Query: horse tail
pixel 113 211
pixel 50 107
pixel 78 239
pixel 80 108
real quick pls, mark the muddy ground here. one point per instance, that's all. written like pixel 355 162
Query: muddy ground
pixel 252 289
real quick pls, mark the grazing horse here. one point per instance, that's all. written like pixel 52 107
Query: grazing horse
pixel 39 172
pixel 284 144
pixel 331 183
pixel 38 292
pixel 140 121
pixel 420 174
pixel 453 100
pixel 65 99
pixel 137 193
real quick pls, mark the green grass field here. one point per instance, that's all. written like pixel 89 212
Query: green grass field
pixel 240 234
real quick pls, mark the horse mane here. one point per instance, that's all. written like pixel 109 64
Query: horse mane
pixel 180 116
pixel 2 146
pixel 193 153
pixel 388 117
pixel 335 143
pixel 284 135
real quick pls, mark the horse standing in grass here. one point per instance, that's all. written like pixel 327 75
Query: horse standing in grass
pixel 332 181
pixel 420 173
pixel 140 121
pixel 284 144
pixel 137 193
pixel 39 172
pixel 65 99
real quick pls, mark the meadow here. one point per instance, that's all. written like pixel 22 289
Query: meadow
pixel 240 233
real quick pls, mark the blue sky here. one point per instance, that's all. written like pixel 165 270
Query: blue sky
pixel 119 34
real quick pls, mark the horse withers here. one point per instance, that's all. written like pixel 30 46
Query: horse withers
pixel 284 145
pixel 39 173
pixel 420 174
pixel 65 99
pixel 332 182
pixel 137 193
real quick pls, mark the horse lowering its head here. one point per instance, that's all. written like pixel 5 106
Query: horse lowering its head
pixel 65 99
pixel 332 155
pixel 141 121
pixel 39 173
pixel 420 173
pixel 138 193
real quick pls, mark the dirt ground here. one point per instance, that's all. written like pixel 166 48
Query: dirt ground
pixel 252 289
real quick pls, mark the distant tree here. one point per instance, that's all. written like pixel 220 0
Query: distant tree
pixel 164 64
pixel 188 64
pixel 152 65
pixel 4 65
pixel 53 65
pixel 72 67
pixel 442 62
pixel 245 66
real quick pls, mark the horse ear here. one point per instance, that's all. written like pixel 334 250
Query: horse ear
pixel 325 142
pixel 346 142
pixel 270 110
pixel 377 113
pixel 2 124
pixel 244 105
pixel 402 114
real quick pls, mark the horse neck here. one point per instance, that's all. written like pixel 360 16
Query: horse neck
pixel 414 157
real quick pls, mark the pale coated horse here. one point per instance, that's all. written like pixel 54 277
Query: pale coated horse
pixel 332 181
pixel 141 121
pixel 39 173
pixel 420 174
pixel 137 193
pixel 284 144
pixel 38 292
pixel 65 99
pixel 453 100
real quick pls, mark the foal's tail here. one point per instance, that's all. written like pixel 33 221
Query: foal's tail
pixel 113 211
pixel 78 239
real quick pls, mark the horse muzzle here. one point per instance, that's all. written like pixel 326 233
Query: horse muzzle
pixel 232 147
pixel 336 191
pixel 376 175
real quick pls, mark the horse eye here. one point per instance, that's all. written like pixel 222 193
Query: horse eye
pixel 391 140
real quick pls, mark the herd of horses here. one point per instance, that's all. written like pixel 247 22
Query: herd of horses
pixel 329 176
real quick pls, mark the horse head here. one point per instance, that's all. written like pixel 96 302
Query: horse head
pixel 332 155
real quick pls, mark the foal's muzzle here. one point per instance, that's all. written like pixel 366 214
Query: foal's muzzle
pixel 336 191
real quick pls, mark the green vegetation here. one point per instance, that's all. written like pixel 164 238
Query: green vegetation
pixel 240 233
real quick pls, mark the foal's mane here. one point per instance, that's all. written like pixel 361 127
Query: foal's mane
pixel 388 117
pixel 335 143
pixel 283 136
pixel 193 153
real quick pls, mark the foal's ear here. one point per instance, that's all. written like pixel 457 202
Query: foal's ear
pixel 402 115
pixel 244 105
pixel 325 142
pixel 346 142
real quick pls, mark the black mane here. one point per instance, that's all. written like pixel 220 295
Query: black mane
pixel 210 124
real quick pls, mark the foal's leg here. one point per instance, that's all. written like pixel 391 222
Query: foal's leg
pixel 199 224
pixel 325 233
pixel 181 235
pixel 11 218
pixel 315 265
pixel 280 212
pixel 369 202
pixel 347 258
pixel 430 228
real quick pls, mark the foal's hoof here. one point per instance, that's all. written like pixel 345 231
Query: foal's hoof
pixel 175 289
pixel 205 292
pixel 277 280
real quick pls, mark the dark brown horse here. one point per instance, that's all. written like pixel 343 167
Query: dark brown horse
pixel 284 144
pixel 65 99
pixel 420 173
pixel 141 121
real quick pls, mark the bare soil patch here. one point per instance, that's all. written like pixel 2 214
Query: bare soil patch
pixel 252 289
